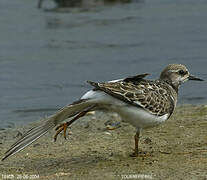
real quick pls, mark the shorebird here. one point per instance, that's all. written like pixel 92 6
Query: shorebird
pixel 142 103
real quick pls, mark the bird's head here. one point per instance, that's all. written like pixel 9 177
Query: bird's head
pixel 176 74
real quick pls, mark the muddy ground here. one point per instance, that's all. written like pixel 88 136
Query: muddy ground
pixel 175 150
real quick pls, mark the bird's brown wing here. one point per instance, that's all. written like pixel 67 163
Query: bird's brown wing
pixel 152 97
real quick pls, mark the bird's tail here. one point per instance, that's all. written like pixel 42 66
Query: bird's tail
pixel 38 131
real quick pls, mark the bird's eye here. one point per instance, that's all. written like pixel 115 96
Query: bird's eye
pixel 181 72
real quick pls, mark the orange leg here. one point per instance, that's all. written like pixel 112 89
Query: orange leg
pixel 63 127
pixel 136 139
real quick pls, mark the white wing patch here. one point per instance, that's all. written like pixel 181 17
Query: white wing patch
pixel 116 80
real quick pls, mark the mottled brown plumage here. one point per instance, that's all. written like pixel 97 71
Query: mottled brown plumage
pixel 152 96
pixel 158 97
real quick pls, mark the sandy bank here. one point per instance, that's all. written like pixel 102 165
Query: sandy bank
pixel 176 149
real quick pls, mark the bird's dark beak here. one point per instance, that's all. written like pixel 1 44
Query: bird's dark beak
pixel 194 78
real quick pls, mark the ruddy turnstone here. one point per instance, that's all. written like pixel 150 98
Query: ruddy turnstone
pixel 140 102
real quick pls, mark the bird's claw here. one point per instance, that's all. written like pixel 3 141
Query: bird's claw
pixel 63 127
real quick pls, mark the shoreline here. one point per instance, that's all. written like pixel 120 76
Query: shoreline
pixel 92 151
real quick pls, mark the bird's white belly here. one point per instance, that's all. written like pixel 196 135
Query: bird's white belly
pixel 140 118
pixel 136 116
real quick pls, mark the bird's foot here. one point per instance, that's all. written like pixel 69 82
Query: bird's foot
pixel 140 154
pixel 134 154
pixel 62 127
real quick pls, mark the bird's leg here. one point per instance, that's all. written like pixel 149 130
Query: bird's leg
pixel 136 139
pixel 63 127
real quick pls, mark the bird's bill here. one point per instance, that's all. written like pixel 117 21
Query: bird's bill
pixel 194 78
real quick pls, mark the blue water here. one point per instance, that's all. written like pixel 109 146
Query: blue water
pixel 46 57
